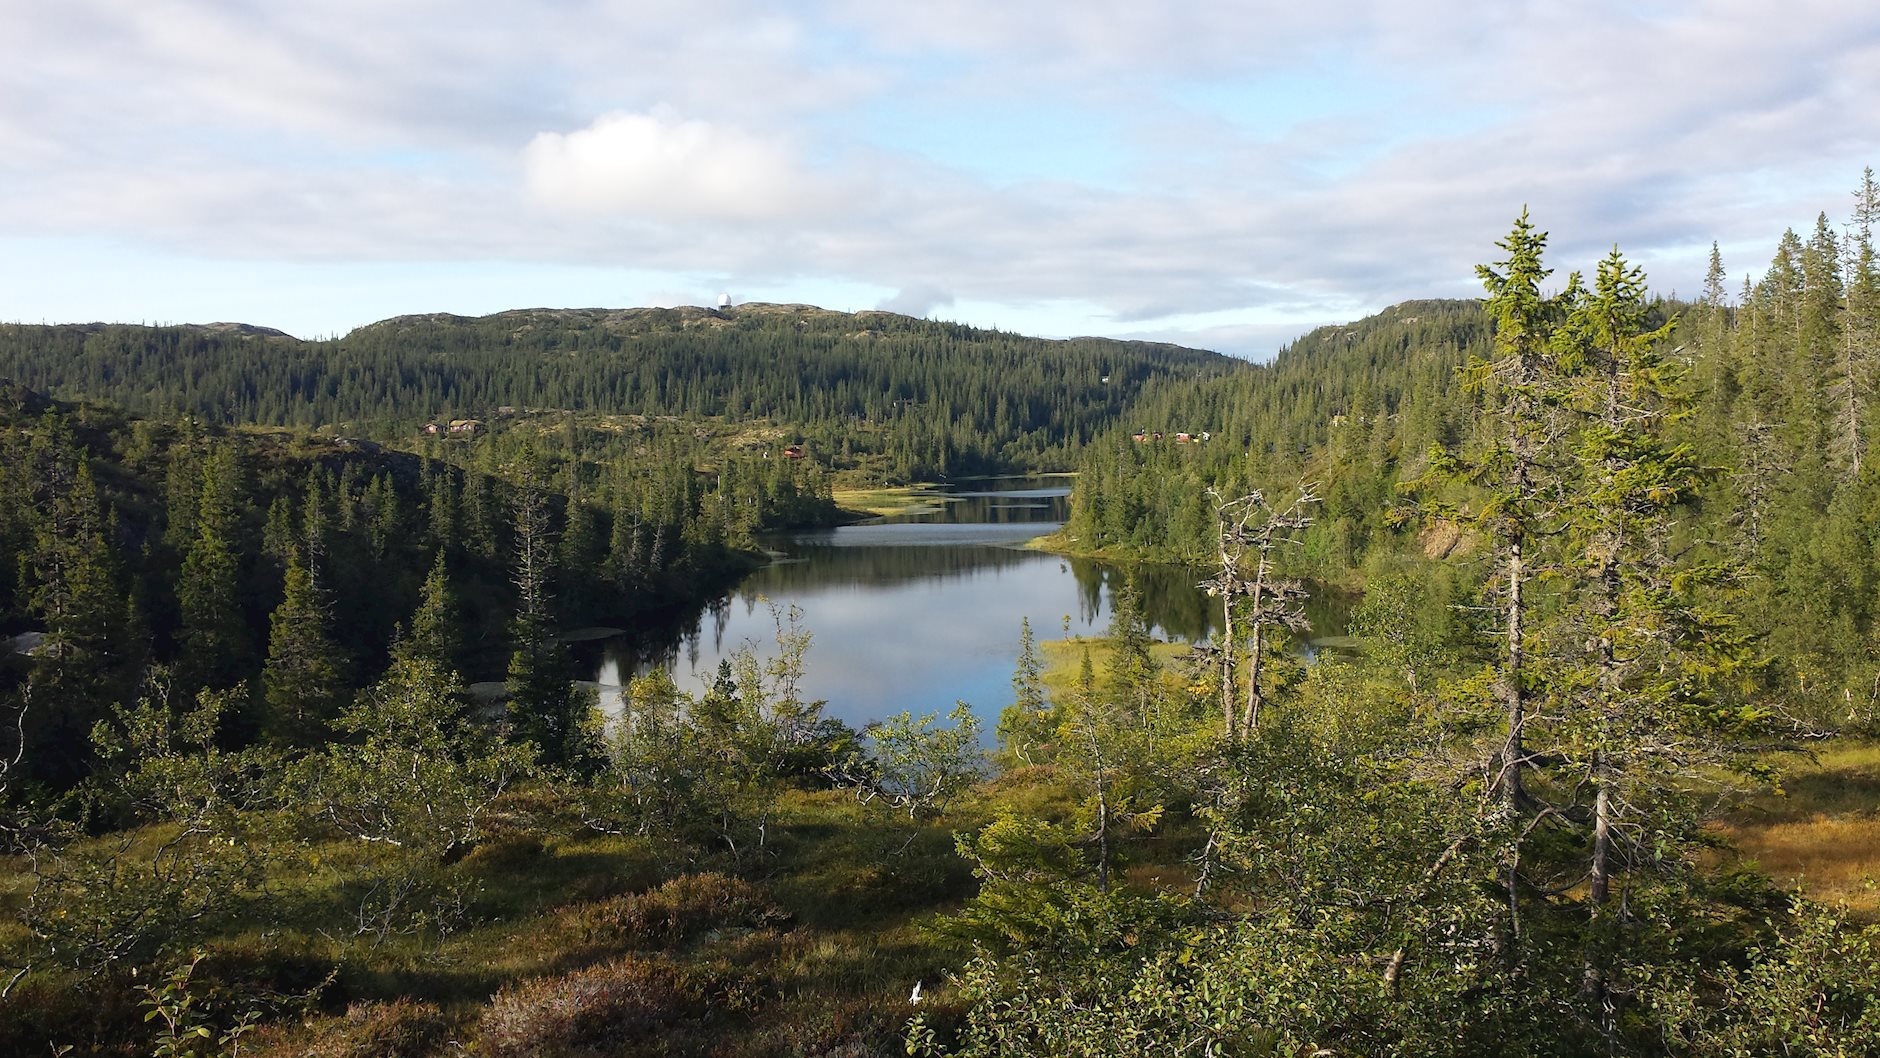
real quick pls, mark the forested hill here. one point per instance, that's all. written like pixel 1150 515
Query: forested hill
pixel 927 397
pixel 1404 358
pixel 1344 405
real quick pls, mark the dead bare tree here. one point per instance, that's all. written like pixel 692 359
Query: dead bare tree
pixel 1249 533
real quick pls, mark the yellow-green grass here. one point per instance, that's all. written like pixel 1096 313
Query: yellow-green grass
pixel 1064 659
pixel 1063 543
pixel 1821 830
pixel 921 498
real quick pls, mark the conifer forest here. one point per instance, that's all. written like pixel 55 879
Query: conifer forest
pixel 297 756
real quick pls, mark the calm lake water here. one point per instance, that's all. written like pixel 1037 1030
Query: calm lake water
pixel 916 611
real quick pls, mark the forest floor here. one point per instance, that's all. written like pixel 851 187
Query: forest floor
pixel 810 943
pixel 1819 830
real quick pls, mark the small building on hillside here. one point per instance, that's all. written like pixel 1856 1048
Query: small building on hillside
pixel 466 426
pixel 793 451
pixel 432 429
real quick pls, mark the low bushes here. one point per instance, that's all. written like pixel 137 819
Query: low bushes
pixel 671 914
pixel 398 1029
pixel 589 1012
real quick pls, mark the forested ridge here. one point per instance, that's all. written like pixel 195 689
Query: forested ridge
pixel 1616 641
pixel 928 399
pixel 1342 405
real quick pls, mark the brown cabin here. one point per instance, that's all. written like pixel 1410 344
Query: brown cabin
pixel 793 452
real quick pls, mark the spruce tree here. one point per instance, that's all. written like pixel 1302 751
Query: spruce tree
pixel 217 651
pixel 1513 380
pixel 545 707
pixel 1026 726
pixel 280 534
pixel 441 507
pixel 71 585
pixel 626 541
pixel 1627 661
pixel 1514 492
pixel 315 520
pixel 384 516
pixel 303 678
pixel 182 487
pixel 1133 669
pixel 434 635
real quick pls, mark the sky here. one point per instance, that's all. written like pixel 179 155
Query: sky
pixel 1223 175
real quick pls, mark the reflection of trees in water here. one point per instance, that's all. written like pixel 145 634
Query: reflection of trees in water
pixel 1013 507
pixel 1329 611
pixel 1173 604
pixel 879 566
pixel 1170 600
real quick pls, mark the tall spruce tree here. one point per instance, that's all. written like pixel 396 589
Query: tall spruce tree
pixel 440 507
pixel 217 650
pixel 71 587
pixel 1512 495
pixel 545 706
pixel 434 634
pixel 304 678
pixel 1635 647
pixel 1027 725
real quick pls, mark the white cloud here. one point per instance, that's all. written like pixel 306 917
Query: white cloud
pixel 920 299
pixel 1258 342
pixel 657 166
pixel 351 130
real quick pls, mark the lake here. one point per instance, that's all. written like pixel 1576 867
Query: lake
pixel 916 611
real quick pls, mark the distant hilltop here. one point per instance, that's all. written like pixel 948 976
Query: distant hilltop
pixel 918 396
pixel 625 320
pixel 222 329
pixel 635 319
pixel 618 321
